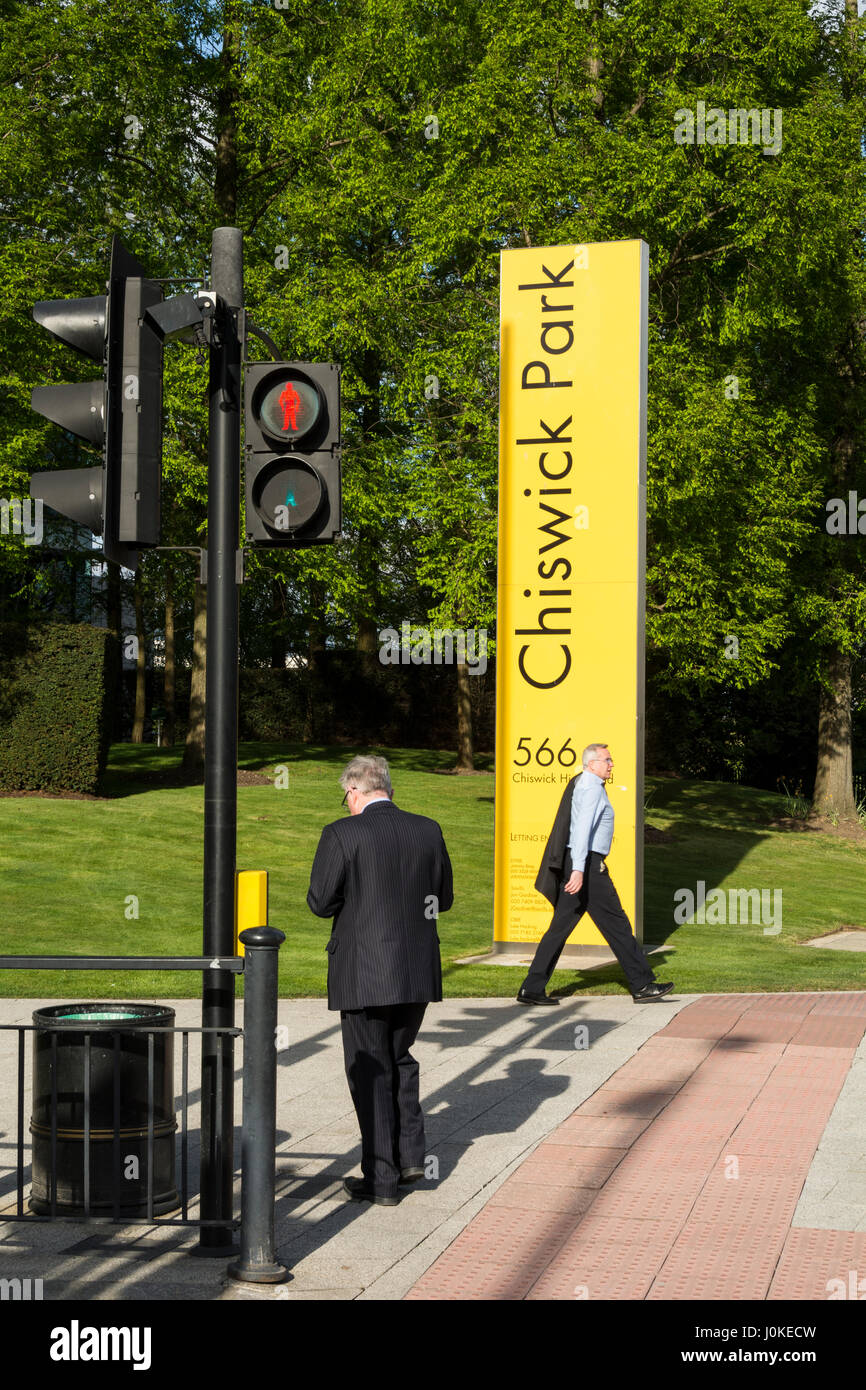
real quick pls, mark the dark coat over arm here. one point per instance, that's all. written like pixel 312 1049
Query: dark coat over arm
pixel 549 876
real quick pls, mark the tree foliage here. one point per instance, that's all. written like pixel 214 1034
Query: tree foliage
pixel 379 155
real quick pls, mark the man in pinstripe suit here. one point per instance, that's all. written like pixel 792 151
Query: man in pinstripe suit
pixel 383 875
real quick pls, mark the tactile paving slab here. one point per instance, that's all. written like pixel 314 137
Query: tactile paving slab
pixel 637 1170
pixel 772 1028
pixel 705 1025
pixel 723 1003
pixel 531 1196
pixel 747 1200
pixel 646 1203
pixel 849 1003
pixel 675 1046
pixel 600 1131
pixel 708 1264
pixel 582 1270
pixel 679 1177
pixel 602 1282
pixel 499 1255
pixel 817 1264
pixel 572 1167
pixel 783 1003
pixel 830 1030
pixel 624 1103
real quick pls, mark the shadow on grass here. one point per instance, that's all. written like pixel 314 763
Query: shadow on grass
pixel 134 768
pixel 602 975
pixel 715 804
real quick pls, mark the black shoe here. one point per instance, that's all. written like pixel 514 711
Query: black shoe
pixel 652 991
pixel 527 997
pixel 408 1175
pixel 357 1189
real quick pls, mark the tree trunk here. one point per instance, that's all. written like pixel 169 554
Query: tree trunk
pixel 833 797
pixel 316 630
pixel 140 668
pixel 227 96
pixel 193 753
pixel 834 779
pixel 278 625
pixel 313 726
pixel 114 619
pixel 367 643
pixel 595 66
pixel 465 742
pixel 168 688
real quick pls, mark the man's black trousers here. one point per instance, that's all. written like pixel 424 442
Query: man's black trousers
pixel 600 899
pixel 383 1081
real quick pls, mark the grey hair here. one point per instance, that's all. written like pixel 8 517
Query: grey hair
pixel 590 752
pixel 368 775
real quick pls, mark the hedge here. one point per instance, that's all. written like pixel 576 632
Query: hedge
pixel 54 710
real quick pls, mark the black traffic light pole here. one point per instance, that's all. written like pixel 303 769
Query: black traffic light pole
pixel 221 723
pixel 293 499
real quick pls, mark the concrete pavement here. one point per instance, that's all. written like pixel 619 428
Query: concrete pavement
pixel 520 1185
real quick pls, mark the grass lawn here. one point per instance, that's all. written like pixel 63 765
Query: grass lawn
pixel 69 868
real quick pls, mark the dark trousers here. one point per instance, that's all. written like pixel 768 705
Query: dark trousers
pixel 600 899
pixel 383 1081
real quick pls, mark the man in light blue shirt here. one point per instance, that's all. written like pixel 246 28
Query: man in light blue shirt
pixel 574 878
pixel 591 815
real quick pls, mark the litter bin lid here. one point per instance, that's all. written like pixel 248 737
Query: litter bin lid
pixel 142 1015
pixel 102 1017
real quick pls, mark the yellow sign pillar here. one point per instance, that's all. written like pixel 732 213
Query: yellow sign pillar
pixel 572 504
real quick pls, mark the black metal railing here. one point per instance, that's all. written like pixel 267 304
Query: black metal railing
pixel 118 1194
pixel 257 1262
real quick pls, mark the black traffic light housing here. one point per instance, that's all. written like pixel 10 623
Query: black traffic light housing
pixel 119 499
pixel 292 453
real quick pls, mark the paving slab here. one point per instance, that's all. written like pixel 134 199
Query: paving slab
pixel 702 1148
pixel 703 1203
pixel 841 941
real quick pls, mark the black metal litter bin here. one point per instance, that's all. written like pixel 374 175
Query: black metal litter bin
pixel 124 1067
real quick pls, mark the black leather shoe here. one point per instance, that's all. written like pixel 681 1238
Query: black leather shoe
pixel 408 1175
pixel 656 990
pixel 526 997
pixel 357 1189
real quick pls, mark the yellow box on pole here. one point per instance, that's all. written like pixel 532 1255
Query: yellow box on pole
pixel 251 902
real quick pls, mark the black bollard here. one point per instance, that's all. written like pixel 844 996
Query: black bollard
pixel 257 1263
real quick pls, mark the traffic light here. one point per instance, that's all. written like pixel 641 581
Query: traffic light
pixel 119 498
pixel 292 450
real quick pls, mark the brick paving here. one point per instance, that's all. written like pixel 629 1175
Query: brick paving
pixel 680 1176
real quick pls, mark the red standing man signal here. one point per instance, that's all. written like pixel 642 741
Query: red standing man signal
pixel 289 400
